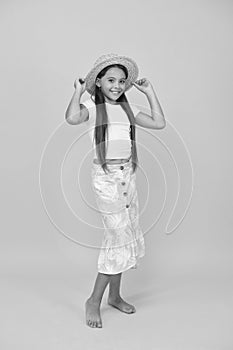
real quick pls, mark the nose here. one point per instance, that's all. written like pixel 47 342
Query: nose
pixel 116 85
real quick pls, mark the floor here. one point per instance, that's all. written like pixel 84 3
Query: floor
pixel 43 308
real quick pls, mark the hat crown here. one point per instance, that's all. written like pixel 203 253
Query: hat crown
pixel 105 57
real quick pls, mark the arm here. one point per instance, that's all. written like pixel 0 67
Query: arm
pixel 76 113
pixel 156 120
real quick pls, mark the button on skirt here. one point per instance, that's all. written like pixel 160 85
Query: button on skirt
pixel 117 202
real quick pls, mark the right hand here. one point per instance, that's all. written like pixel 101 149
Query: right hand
pixel 80 86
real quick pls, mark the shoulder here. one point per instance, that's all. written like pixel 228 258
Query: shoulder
pixel 88 103
pixel 134 108
pixel 89 110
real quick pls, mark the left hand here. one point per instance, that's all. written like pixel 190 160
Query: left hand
pixel 143 85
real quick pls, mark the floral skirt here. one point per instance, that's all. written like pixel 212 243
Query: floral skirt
pixel 117 201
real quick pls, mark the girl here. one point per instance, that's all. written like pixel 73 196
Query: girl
pixel 112 129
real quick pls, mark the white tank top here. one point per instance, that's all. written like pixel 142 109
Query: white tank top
pixel 118 142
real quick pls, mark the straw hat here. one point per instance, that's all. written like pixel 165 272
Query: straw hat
pixel 104 61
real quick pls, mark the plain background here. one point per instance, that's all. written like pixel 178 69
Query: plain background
pixel 183 287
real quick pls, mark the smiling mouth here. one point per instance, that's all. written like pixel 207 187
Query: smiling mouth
pixel 115 92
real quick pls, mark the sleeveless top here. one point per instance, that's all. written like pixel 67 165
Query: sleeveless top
pixel 117 138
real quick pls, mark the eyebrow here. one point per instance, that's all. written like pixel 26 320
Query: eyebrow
pixel 115 78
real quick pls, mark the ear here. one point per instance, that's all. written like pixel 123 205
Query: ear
pixel 97 82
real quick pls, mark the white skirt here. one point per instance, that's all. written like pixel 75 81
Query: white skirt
pixel 117 200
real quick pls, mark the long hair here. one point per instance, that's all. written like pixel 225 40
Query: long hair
pixel 101 126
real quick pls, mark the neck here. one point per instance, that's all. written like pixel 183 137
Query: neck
pixel 111 103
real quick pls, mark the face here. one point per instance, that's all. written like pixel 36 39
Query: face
pixel 112 84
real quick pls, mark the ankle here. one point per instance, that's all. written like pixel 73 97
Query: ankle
pixel 114 296
pixel 93 300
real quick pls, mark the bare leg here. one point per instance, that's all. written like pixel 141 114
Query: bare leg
pixel 92 304
pixel 114 298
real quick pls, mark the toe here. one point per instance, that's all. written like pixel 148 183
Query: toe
pixel 130 309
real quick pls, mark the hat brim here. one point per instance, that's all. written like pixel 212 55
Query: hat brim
pixel 130 65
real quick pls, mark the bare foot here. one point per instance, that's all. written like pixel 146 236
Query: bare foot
pixel 120 304
pixel 93 318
